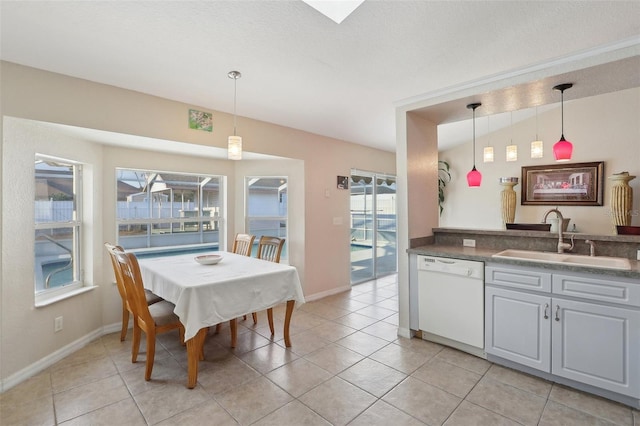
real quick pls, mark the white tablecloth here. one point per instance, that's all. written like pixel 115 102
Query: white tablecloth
pixel 206 295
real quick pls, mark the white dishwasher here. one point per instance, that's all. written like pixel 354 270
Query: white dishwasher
pixel 451 302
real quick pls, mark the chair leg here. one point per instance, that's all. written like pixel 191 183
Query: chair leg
pixel 151 353
pixel 135 345
pixel 218 327
pixel 244 317
pixel 270 319
pixel 255 317
pixel 125 324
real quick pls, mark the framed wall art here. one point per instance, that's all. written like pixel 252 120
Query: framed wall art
pixel 343 182
pixel 577 184
pixel 200 120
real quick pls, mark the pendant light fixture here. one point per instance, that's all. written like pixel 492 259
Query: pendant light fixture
pixel 474 177
pixel 562 149
pixel 487 154
pixel 234 150
pixel 537 146
pixel 512 150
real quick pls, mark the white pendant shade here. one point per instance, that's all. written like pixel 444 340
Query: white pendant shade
pixel 234 151
pixel 537 149
pixel 488 154
pixel 512 152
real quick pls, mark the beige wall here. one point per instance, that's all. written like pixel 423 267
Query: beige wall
pixel 601 128
pixel 422 166
pixel 27 340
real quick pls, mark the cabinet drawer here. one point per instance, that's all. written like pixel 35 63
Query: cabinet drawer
pixel 518 277
pixel 604 289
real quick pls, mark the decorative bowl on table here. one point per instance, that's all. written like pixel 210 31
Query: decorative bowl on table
pixel 208 259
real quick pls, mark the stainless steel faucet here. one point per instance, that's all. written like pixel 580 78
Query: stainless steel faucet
pixel 562 246
pixel 592 247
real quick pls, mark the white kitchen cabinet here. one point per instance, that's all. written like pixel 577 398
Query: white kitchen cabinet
pixel 596 344
pixel 516 328
pixel 584 338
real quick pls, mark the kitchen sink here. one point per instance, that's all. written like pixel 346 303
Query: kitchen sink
pixel 566 259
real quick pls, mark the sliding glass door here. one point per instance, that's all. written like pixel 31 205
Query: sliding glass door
pixel 373 226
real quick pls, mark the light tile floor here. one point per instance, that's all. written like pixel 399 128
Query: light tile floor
pixel 346 366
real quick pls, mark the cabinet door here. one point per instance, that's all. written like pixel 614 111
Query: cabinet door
pixel 598 345
pixel 517 327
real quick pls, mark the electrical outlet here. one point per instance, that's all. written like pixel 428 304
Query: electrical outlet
pixel 57 324
pixel 638 254
pixel 468 243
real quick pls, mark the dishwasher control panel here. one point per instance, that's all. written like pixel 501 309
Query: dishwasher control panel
pixel 465 268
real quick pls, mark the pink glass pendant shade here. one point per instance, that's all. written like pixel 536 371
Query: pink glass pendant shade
pixel 474 177
pixel 562 150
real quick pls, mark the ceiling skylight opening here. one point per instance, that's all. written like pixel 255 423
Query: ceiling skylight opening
pixel 336 10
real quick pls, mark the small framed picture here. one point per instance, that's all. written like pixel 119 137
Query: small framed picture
pixel 199 120
pixel 343 182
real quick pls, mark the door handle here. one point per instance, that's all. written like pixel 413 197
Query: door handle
pixel 546 309
pixel 557 312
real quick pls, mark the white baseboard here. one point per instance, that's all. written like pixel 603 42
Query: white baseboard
pixel 49 360
pixel 322 294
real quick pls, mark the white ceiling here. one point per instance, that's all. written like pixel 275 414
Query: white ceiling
pixel 301 69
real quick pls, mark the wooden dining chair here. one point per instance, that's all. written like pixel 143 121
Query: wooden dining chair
pixel 150 297
pixel 243 244
pixel 152 319
pixel 270 249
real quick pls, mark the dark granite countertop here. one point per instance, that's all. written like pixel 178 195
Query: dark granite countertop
pixel 485 255
pixel 540 234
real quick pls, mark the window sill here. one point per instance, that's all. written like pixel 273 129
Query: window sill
pixel 43 301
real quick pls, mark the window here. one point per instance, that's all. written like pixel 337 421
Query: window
pixel 267 208
pixel 167 209
pixel 58 225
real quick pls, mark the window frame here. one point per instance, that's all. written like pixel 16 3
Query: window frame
pixel 248 218
pixel 46 296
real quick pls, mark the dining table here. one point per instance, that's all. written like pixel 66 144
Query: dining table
pixel 205 295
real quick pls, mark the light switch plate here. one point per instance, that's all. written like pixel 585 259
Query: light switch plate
pixel 638 254
pixel 468 243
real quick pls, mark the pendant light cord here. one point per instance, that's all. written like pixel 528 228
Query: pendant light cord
pixel 561 88
pixel 474 138
pixel 235 75
pixel 511 127
pixel 235 96
pixel 562 112
pixel 488 132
